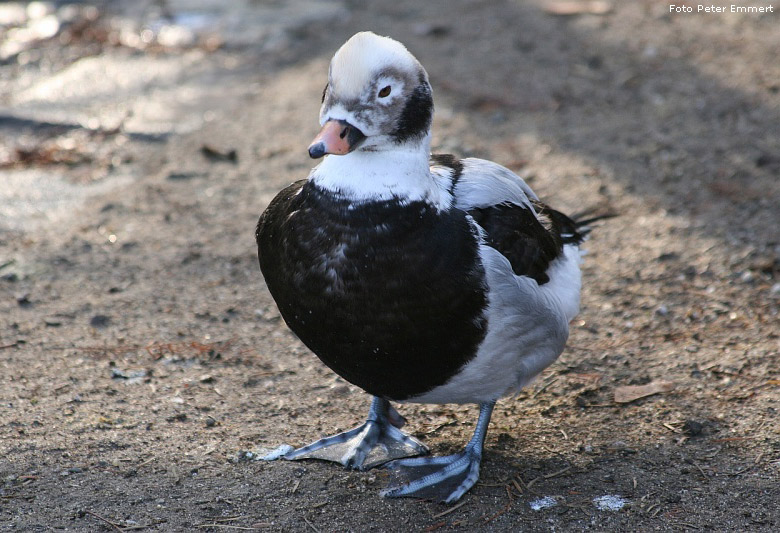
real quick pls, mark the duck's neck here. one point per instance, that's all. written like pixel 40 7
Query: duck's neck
pixel 399 172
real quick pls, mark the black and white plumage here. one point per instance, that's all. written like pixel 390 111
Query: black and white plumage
pixel 418 278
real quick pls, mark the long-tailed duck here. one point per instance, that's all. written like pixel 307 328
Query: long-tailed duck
pixel 418 278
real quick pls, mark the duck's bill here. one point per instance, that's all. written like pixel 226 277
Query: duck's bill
pixel 337 137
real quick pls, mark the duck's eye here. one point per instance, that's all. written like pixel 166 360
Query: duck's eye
pixel 384 92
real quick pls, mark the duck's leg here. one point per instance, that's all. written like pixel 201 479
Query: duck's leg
pixel 373 443
pixel 441 478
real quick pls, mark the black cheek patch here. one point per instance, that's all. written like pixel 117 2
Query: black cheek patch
pixel 416 116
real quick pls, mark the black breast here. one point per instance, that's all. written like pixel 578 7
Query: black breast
pixel 389 295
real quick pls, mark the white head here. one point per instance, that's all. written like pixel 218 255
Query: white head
pixel 378 97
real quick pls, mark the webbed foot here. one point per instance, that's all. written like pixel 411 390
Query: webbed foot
pixel 373 443
pixel 445 479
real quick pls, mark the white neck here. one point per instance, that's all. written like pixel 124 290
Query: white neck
pixel 398 172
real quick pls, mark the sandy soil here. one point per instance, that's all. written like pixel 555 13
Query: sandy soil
pixel 141 356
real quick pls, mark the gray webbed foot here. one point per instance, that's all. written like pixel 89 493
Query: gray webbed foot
pixel 446 478
pixel 373 443
pixel 443 479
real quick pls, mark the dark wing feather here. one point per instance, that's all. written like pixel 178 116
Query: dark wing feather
pixel 518 234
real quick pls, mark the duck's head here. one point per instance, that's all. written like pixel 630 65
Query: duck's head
pixel 378 97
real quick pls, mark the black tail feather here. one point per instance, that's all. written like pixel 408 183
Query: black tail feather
pixel 572 229
pixel 593 215
pixel 584 226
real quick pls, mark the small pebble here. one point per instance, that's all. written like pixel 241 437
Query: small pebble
pixel 609 502
pixel 99 321
pixel 245 455
pixel 587 448
pixel 543 503
pixel 693 428
pixel 339 391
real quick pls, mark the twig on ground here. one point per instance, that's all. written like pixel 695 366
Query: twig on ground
pixel 228 526
pixel 703 473
pixel 543 387
pixel 558 473
pixel 742 470
pixel 504 509
pixel 732 439
pixel 106 520
pixel 146 462
pixel 527 486
pixel 451 509
pixel 311 525
pixel 498 513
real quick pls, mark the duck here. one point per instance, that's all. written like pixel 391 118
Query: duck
pixel 419 278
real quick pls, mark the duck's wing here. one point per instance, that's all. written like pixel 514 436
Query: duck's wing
pixel 513 221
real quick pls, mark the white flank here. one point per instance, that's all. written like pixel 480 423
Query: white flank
pixel 563 289
pixel 527 330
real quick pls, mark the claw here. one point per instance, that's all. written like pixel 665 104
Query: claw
pixel 281 451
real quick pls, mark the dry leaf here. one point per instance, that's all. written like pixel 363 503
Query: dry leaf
pixel 578 7
pixel 629 393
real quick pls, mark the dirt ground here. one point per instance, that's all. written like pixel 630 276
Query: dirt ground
pixel 143 363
